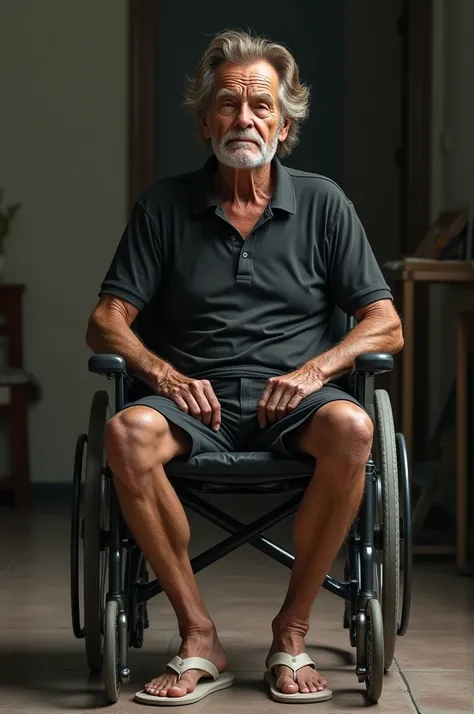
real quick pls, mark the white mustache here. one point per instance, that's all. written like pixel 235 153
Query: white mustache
pixel 243 136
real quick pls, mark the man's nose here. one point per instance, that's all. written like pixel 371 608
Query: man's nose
pixel 244 119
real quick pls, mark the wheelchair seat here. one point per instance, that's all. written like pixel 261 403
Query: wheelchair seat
pixel 240 467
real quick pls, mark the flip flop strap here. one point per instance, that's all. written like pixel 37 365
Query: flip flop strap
pixel 294 662
pixel 180 666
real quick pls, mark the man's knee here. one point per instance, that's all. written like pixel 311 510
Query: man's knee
pixel 341 432
pixel 137 439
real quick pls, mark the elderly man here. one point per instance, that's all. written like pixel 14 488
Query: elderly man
pixel 236 269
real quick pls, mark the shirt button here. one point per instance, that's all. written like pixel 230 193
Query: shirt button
pixel 245 254
pixel 232 238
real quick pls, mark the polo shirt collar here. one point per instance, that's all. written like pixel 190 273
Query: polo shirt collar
pixel 206 197
pixel 284 194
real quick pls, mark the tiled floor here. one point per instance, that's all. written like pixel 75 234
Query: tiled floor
pixel 42 666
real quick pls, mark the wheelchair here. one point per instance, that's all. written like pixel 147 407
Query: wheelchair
pixel 109 576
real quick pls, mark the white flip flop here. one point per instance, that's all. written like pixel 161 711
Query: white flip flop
pixel 294 663
pixel 203 688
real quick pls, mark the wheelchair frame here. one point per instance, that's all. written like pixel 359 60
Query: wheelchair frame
pixel 363 615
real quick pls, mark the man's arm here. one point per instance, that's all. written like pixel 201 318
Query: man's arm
pixel 109 331
pixel 378 329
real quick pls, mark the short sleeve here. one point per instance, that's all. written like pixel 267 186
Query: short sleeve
pixel 353 272
pixel 136 268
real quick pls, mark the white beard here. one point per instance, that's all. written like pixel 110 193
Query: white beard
pixel 243 156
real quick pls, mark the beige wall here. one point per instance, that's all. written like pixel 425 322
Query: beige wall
pixel 63 131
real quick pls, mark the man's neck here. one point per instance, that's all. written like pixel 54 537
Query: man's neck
pixel 241 187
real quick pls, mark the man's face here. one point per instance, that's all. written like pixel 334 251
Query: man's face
pixel 244 121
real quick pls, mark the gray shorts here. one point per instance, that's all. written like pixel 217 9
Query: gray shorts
pixel 239 430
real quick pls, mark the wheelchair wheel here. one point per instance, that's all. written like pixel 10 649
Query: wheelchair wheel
pixel 374 650
pixel 95 554
pixel 111 670
pixel 387 521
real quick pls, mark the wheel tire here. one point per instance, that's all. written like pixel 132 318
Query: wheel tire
pixel 111 652
pixel 95 559
pixel 406 535
pixel 388 516
pixel 374 649
pixel 75 538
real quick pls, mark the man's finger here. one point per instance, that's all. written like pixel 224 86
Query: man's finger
pixel 179 401
pixel 204 406
pixel 273 402
pixel 262 404
pixel 214 404
pixel 294 401
pixel 285 400
pixel 193 407
pixel 199 394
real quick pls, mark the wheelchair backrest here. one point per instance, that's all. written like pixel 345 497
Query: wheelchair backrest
pixel 341 324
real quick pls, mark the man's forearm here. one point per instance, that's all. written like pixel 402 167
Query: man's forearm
pixel 111 334
pixel 374 333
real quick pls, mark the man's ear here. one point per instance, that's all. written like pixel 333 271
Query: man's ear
pixel 285 128
pixel 206 131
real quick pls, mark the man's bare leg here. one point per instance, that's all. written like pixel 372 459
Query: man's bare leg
pixel 138 442
pixel 339 436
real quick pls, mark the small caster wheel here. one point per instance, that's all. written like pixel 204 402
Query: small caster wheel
pixel 111 670
pixel 374 650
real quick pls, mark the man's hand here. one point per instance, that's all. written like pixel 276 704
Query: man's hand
pixel 283 394
pixel 193 396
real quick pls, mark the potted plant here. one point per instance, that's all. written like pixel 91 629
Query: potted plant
pixel 6 217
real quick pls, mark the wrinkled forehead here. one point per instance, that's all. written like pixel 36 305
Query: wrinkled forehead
pixel 246 79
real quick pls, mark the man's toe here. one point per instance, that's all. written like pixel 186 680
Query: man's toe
pixel 287 685
pixel 177 691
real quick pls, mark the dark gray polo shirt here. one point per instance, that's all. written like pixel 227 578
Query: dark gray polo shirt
pixel 213 302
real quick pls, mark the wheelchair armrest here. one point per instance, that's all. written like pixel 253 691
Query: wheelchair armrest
pixel 109 365
pixel 373 363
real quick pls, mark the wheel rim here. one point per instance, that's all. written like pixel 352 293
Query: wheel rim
pixel 95 517
pixel 378 552
pixel 104 553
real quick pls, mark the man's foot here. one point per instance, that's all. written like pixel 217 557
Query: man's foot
pixel 290 639
pixel 203 643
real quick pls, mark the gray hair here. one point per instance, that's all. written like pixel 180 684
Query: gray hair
pixel 241 47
